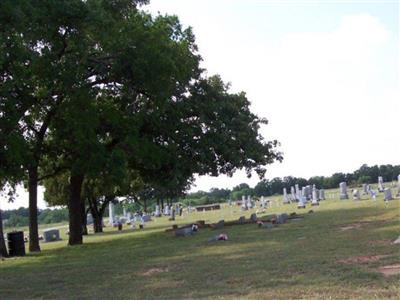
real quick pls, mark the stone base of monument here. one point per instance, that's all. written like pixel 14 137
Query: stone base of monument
pixel 344 197
pixel 315 204
pixel 301 206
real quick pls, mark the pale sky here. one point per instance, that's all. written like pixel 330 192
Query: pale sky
pixel 324 73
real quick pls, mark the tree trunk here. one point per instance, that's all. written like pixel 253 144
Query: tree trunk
pixel 33 211
pixel 84 217
pixel 3 248
pixel 162 204
pixel 75 210
pixel 97 223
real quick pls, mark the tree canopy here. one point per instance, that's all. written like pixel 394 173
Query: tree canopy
pixel 101 89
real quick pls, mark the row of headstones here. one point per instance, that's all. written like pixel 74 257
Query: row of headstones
pixel 368 190
pixel 303 195
pixel 127 217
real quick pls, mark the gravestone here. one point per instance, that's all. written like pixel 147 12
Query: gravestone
pixel 321 194
pixel 242 220
pixel 282 218
pixel 186 231
pixel 249 204
pixel 356 195
pixel 303 192
pixel 314 201
pixel 343 191
pixel 166 210
pixel 297 189
pixel 253 218
pixel 123 220
pixel 146 218
pixel 398 186
pixel 172 215
pixel 381 187
pixel 293 193
pixel 89 219
pixel 285 197
pixel 302 202
pixel 244 206
pixel 219 225
pixel 111 213
pixel 365 189
pixel 262 202
pixel 157 212
pixel 309 192
pixel 51 235
pixel 373 194
pixel 388 194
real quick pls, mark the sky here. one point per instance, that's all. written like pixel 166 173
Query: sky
pixel 324 73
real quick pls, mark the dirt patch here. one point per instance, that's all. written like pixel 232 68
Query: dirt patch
pixel 389 270
pixel 362 259
pixel 153 271
pixel 358 225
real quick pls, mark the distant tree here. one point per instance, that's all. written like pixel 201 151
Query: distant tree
pixel 262 188
pixel 240 187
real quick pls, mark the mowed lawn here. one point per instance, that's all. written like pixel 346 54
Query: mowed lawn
pixel 333 253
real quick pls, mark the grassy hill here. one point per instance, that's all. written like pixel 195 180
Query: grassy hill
pixel 334 253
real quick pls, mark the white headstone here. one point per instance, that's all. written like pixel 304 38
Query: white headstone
pixel 303 192
pixel 309 192
pixel 244 204
pixel 373 194
pixel 388 194
pixel 356 195
pixel 381 187
pixel 343 191
pixel 398 186
pixel 314 197
pixel 296 186
pixel 398 181
pixel 157 212
pixel 111 213
pixel 293 193
pixel 302 202
pixel 365 188
pixel 285 197
pixel 249 204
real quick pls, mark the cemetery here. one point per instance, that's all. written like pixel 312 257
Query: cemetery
pixel 338 248
pixel 133 133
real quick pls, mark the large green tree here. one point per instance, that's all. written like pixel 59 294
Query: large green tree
pixel 134 88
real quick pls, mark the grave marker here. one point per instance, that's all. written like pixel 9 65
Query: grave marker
pixel 343 191
pixel 388 194
pixel 381 187
pixel 285 197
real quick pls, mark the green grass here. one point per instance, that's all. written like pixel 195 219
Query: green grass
pixel 297 260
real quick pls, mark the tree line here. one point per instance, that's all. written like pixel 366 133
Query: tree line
pixel 99 99
pixel 20 217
